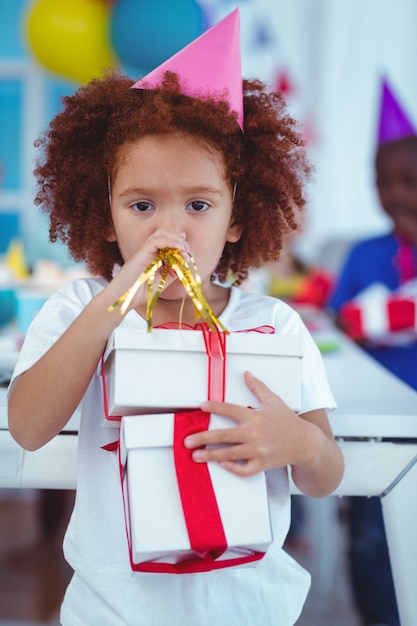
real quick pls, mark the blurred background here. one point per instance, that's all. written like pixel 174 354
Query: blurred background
pixel 327 57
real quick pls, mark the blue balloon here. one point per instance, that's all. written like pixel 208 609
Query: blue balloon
pixel 144 33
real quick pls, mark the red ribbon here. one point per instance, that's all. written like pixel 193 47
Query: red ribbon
pixel 194 565
pixel 199 504
pixel 215 344
pixel 401 313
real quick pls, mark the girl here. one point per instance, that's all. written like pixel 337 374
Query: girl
pixel 125 173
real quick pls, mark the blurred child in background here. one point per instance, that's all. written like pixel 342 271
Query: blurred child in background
pixel 387 262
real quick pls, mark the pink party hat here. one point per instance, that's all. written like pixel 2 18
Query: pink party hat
pixel 393 122
pixel 209 65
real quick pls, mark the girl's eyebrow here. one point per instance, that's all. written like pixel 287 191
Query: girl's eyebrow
pixel 204 189
pixel 135 191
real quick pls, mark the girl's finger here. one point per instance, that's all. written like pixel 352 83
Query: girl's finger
pixel 233 411
pixel 258 388
pixel 250 468
pixel 220 436
pixel 235 453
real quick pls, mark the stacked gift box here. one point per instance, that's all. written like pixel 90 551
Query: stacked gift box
pixel 157 381
pixel 168 369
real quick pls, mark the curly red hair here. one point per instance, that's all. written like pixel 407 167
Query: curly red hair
pixel 84 143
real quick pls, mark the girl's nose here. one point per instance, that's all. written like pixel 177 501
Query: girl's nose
pixel 172 220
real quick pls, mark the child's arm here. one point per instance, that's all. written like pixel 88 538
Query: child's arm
pixel 274 436
pixel 42 399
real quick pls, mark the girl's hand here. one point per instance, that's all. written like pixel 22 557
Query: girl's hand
pixel 272 436
pixel 136 263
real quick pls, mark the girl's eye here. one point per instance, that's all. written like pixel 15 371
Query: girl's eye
pixel 142 207
pixel 198 205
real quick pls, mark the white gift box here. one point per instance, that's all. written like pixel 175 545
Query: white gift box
pixel 381 316
pixel 167 370
pixel 155 519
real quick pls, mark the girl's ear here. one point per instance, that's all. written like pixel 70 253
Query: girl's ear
pixel 111 234
pixel 234 233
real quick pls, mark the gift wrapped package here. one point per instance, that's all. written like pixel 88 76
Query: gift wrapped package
pixel 183 516
pixel 380 315
pixel 169 370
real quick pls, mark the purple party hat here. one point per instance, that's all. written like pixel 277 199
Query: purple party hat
pixel 393 122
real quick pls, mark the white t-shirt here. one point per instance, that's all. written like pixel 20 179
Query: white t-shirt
pixel 104 590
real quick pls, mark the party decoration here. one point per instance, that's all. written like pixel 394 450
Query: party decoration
pixel 394 124
pixel 144 33
pixel 170 259
pixel 70 37
pixel 209 65
pixel 15 260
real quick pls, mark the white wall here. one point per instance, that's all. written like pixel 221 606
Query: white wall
pixel 334 52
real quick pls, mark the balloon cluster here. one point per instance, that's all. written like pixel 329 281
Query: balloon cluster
pixel 78 39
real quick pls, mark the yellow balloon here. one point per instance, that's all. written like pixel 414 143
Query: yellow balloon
pixel 71 37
